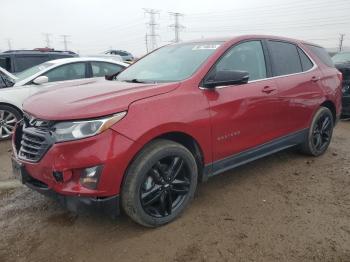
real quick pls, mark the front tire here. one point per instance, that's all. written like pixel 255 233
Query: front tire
pixel 159 183
pixel 320 133
pixel 9 117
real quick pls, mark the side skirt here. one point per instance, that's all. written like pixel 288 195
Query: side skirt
pixel 249 155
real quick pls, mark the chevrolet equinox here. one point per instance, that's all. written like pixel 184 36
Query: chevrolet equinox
pixel 180 115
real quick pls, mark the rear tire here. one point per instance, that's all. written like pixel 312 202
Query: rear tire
pixel 9 116
pixel 159 184
pixel 320 133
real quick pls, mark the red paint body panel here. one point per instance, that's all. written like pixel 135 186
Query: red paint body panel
pixel 223 121
pixel 90 100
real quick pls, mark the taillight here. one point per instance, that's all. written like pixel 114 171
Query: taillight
pixel 340 76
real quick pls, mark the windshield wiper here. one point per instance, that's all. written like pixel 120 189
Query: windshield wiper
pixel 135 80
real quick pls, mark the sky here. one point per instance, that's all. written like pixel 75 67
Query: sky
pixel 95 26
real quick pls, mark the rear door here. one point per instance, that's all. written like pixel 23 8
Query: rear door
pixel 243 116
pixel 298 80
pixel 101 69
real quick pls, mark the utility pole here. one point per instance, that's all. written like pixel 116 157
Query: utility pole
pixel 177 26
pixel 65 41
pixel 9 44
pixel 152 27
pixel 47 39
pixel 341 40
pixel 146 41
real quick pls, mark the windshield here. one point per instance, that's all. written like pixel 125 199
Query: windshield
pixel 171 63
pixel 341 58
pixel 33 70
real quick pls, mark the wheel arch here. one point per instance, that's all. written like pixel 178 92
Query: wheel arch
pixel 180 137
pixel 190 143
pixel 13 106
pixel 331 106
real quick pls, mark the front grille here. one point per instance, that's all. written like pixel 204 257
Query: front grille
pixel 34 140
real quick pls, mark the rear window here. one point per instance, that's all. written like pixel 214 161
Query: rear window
pixel 285 58
pixel 322 54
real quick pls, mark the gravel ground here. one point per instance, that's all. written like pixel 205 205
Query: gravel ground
pixel 285 207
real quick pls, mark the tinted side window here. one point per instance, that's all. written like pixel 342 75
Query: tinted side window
pixel 285 58
pixel 305 60
pixel 25 62
pixel 5 63
pixel 2 81
pixel 66 72
pixel 322 54
pixel 247 56
pixel 59 56
pixel 100 69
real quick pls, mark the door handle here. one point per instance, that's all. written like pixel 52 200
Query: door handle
pixel 268 89
pixel 315 78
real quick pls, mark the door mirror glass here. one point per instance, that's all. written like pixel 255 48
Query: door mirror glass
pixel 41 80
pixel 227 77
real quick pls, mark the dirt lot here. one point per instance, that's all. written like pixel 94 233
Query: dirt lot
pixel 285 207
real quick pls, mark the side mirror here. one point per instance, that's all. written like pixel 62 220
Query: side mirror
pixel 41 80
pixel 227 77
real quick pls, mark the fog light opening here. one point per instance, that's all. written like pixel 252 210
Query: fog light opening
pixel 58 176
pixel 90 176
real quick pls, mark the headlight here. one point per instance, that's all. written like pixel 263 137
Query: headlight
pixel 67 131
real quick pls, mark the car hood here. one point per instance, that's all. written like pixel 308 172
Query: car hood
pixel 91 99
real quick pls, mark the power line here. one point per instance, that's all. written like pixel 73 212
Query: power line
pixel 177 26
pixel 341 40
pixel 65 41
pixel 297 5
pixel 47 39
pixel 152 27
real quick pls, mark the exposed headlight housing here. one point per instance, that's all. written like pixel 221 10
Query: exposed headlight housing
pixel 68 131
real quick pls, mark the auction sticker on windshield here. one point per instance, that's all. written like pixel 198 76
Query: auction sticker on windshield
pixel 205 47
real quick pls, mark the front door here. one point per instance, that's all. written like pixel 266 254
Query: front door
pixel 243 116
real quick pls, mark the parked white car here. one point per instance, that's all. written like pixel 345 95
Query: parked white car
pixel 45 76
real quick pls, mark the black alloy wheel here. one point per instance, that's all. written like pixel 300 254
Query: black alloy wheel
pixel 160 183
pixel 165 187
pixel 322 132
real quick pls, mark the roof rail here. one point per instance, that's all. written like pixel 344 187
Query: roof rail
pixel 39 51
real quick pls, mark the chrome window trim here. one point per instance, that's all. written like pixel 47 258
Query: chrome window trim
pixel 314 67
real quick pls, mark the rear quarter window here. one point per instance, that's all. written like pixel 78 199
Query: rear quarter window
pixel 322 54
pixel 305 60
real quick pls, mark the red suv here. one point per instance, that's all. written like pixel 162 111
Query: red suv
pixel 180 115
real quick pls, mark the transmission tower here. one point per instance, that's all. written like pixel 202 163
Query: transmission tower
pixel 65 41
pixel 152 25
pixel 177 26
pixel 341 40
pixel 9 43
pixel 47 39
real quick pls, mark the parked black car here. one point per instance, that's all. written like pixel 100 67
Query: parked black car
pixel 342 63
pixel 15 61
